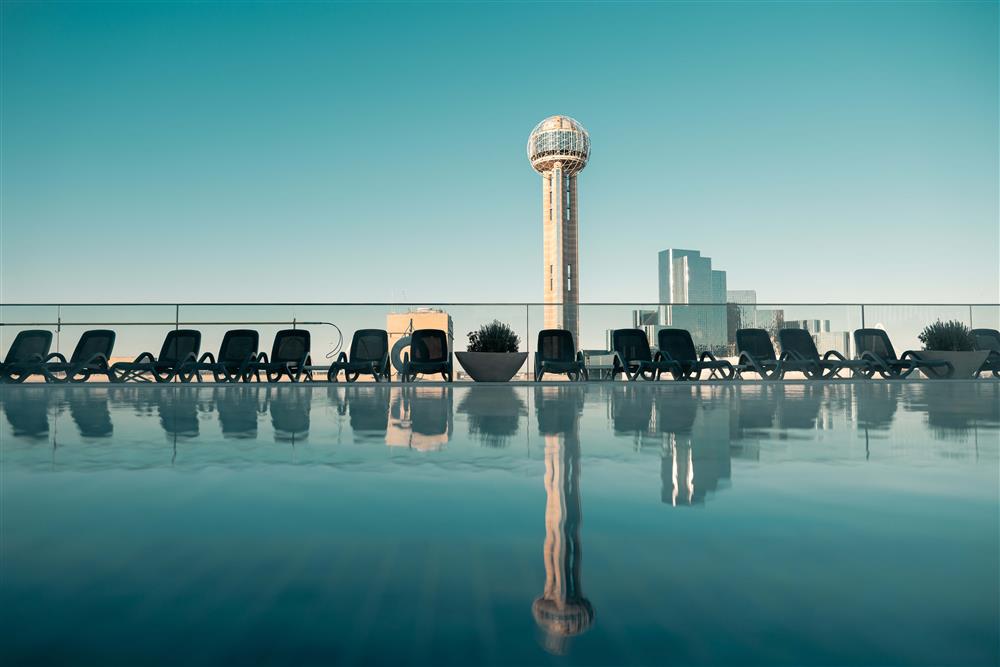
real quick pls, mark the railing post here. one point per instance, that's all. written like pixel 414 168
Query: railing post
pixel 970 316
pixel 527 343
pixel 177 316
pixel 58 327
pixel 863 316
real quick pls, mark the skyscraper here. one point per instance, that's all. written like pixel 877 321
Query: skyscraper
pixel 685 278
pixel 558 149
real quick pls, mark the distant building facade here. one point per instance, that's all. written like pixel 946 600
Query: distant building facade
pixel 686 277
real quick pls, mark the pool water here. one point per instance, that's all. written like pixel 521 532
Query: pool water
pixel 614 523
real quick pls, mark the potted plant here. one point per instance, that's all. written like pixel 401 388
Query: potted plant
pixel 492 354
pixel 952 342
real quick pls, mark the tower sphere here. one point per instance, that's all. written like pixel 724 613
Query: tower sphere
pixel 559 139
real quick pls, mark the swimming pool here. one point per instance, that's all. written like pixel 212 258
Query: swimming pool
pixel 612 523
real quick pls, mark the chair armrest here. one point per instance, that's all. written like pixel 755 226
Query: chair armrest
pixel 54 355
pixel 833 354
pixel 580 359
pixel 707 355
pixel 207 357
pixel 144 357
pixel 658 357
pixel 342 357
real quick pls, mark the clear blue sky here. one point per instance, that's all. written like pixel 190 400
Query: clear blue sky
pixel 346 152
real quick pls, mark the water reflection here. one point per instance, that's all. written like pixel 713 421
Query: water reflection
pixel 90 412
pixel 494 414
pixel 562 611
pixel 238 410
pixel 27 412
pixel 290 407
pixel 696 458
pixel 367 408
pixel 420 418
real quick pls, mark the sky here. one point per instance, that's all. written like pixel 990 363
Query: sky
pixel 255 151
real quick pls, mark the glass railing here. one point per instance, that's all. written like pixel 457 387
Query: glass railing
pixel 141 327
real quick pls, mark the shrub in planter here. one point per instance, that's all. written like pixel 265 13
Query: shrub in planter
pixel 951 336
pixel 494 337
pixel 952 342
pixel 492 355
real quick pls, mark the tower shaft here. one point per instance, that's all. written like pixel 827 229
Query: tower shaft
pixel 561 260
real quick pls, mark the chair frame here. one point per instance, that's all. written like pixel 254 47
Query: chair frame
pixel 648 369
pixel 379 369
pixel 413 368
pixel 817 367
pixel 690 369
pixel 223 370
pixel 295 369
pixel 98 363
pixel 897 367
pixel 16 371
pixel 992 363
pixel 574 370
pixel 160 370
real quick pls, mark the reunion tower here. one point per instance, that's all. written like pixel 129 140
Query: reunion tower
pixel 558 149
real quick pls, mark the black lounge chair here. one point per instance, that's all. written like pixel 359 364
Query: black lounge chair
pixel 180 347
pixel 92 356
pixel 237 351
pixel 988 339
pixel 633 357
pixel 798 345
pixel 428 353
pixel 557 353
pixel 676 345
pixel 873 345
pixel 25 355
pixel 756 355
pixel 289 356
pixel 369 356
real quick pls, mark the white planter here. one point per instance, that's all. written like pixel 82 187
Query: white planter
pixel 491 366
pixel 965 363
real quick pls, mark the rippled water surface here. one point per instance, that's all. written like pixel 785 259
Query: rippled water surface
pixel 601 524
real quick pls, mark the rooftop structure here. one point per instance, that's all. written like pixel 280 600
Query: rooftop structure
pixel 558 149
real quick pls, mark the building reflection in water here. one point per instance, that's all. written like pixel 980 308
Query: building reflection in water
pixel 696 458
pixel 562 611
pixel 420 417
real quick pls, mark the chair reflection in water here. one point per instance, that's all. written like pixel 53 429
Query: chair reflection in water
pixel 290 407
pixel 561 611
pixel 420 417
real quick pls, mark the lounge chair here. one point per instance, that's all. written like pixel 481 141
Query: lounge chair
pixel 26 353
pixel 756 355
pixel 988 339
pixel 428 353
pixel 676 345
pixel 874 346
pixel 798 345
pixel 369 356
pixel 557 353
pixel 237 351
pixel 92 356
pixel 180 347
pixel 289 356
pixel 633 357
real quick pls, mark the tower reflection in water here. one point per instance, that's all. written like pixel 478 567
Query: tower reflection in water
pixel 562 611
